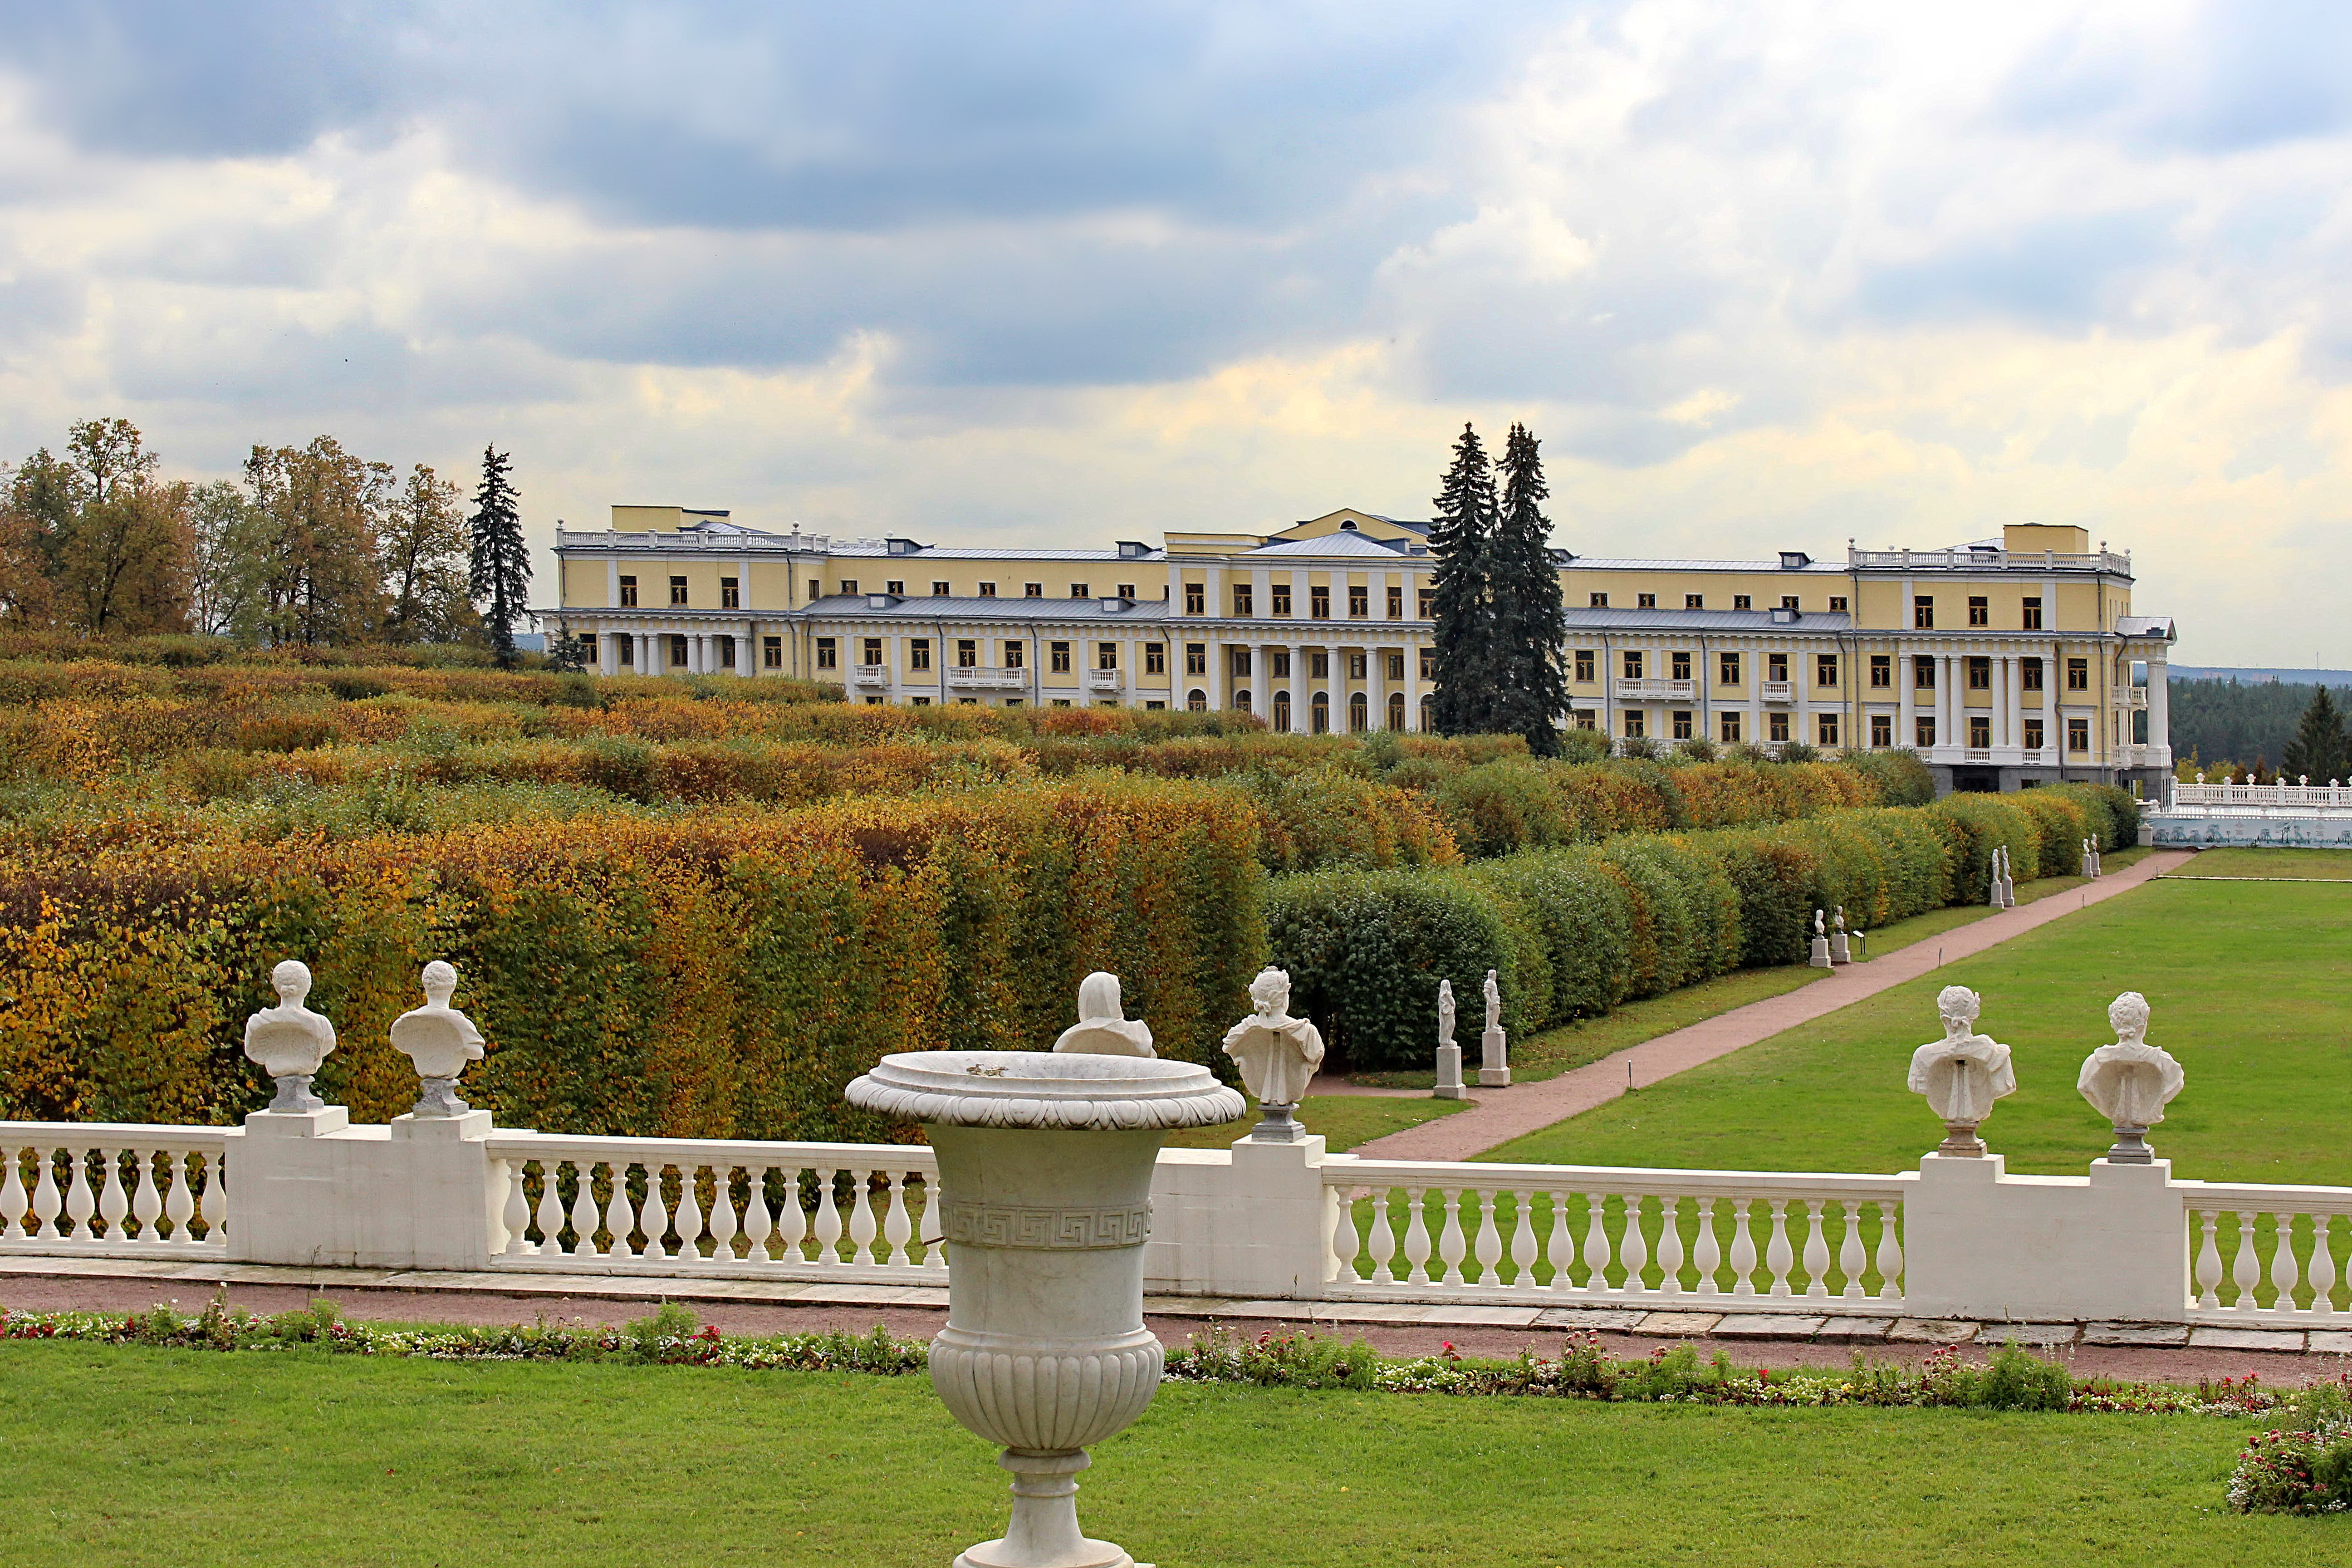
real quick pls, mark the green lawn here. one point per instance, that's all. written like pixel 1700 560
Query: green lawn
pixel 2323 865
pixel 195 1460
pixel 1343 1119
pixel 2251 990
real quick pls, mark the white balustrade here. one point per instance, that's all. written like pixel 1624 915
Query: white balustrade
pixel 721 1206
pixel 94 1187
pixel 2253 799
pixel 1612 1237
pixel 2264 1255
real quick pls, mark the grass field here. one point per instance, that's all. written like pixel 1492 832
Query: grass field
pixel 1343 1119
pixel 192 1459
pixel 2250 986
pixel 2317 864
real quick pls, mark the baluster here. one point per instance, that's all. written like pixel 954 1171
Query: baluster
pixel 584 1216
pixel 1669 1244
pixel 2285 1275
pixel 1890 1253
pixel 653 1214
pixel 1634 1248
pixel 550 1207
pixel 2323 1266
pixel 147 1204
pixel 756 1222
pixel 1523 1240
pixel 113 1203
pixel 1339 1267
pixel 1596 1241
pixel 619 1218
pixel 1382 1242
pixel 722 1214
pixel 1850 1253
pixel 1708 1254
pixel 2245 1271
pixel 13 1203
pixel 895 1228
pixel 45 1201
pixel 1450 1242
pixel 828 1220
pixel 180 1201
pixel 1743 1248
pixel 792 1220
pixel 516 1217
pixel 1490 1241
pixel 1417 1238
pixel 215 1201
pixel 1816 1250
pixel 1778 1255
pixel 1559 1248
pixel 689 1215
pixel 2208 1258
pixel 81 1203
pixel 862 1225
pixel 930 1236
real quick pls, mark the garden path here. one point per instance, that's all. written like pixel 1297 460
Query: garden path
pixel 1498 1116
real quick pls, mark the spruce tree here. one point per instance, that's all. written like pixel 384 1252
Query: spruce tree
pixel 2321 750
pixel 498 564
pixel 1531 689
pixel 1460 537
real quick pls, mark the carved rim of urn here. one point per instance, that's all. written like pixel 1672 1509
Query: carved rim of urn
pixel 1069 1093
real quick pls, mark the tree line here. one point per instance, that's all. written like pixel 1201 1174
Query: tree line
pixel 314 546
pixel 2263 728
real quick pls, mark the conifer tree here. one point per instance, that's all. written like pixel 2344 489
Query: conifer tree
pixel 2321 750
pixel 500 562
pixel 1531 689
pixel 1460 537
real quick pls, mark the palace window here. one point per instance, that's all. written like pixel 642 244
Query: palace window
pixel 1694 601
pixel 2078 734
pixel 1678 667
pixel 1882 669
pixel 1319 665
pixel 1429 664
pixel 1787 601
pixel 1837 602
pixel 1728 727
pixel 1359 602
pixel 730 594
pixel 922 702
pixel 1242 597
pixel 1240 658
pixel 1776 667
pixel 1923 732
pixel 1636 723
pixel 1825 728
pixel 1014 654
pixel 988 590
pixel 772 652
pixel 1633 661
pixel 849 586
pixel 1923 672
pixel 1776 726
pixel 1155 658
pixel 1126 591
pixel 1196 700
pixel 678 590
pixel 1584 661
pixel 1241 702
pixel 1825 670
pixel 1078 591
pixel 1979 673
pixel 1645 601
pixel 1585 718
pixel 919 653
pixel 2078 675
pixel 1979 610
pixel 1396 611
pixel 1359 715
pixel 967 653
pixel 2028 675
pixel 1058 658
pixel 1980 731
pixel 1743 600
pixel 1726 670
pixel 2033 613
pixel 1196 658
pixel 1396 667
pixel 1106 656
pixel 1196 598
pixel 942 589
pixel 1682 723
pixel 1923 611
pixel 1428 604
pixel 873 647
pixel 1033 590
pixel 1882 728
pixel 1280 596
pixel 1600 601
pixel 1319 604
pixel 628 592
pixel 893 587
pixel 1278 661
pixel 828 653
pixel 724 647
pixel 2034 735
pixel 1356 666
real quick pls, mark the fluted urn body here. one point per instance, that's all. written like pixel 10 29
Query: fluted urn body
pixel 1044 1203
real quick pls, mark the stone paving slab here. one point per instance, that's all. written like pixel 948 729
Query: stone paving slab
pixel 2332 1341
pixel 1500 1115
pixel 1589 1318
pixel 2245 1338
pixel 2033 1336
pixel 2172 1335
pixel 1932 1330
pixel 1860 1331
pixel 1679 1325
pixel 1767 1326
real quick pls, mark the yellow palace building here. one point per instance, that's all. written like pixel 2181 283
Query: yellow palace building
pixel 2003 663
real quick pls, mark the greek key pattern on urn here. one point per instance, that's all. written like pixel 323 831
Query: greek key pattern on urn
pixel 1048 1230
pixel 1047 1403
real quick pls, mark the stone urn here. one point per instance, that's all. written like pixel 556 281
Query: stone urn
pixel 1044 1193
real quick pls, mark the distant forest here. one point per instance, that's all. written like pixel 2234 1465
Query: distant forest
pixel 2222 721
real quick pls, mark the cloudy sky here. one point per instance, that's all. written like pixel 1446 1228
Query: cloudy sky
pixel 1764 274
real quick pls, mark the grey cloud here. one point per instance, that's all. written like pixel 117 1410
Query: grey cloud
pixel 2057 272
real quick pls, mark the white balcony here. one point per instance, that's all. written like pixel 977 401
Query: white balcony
pixel 869 675
pixel 1987 561
pixel 987 678
pixel 1779 690
pixel 1655 688
pixel 1102 680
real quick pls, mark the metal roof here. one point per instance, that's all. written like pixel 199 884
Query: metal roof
pixel 1348 542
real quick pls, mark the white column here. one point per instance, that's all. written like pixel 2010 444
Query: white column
pixel 1216 676
pixel 2159 709
pixel 1906 700
pixel 644 652
pixel 1947 705
pixel 2013 702
pixel 608 652
pixel 747 652
pixel 1412 677
pixel 1376 689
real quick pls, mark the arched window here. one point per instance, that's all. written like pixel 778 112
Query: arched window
pixel 1319 710
pixel 1281 711
pixel 1241 702
pixel 1428 711
pixel 1396 710
pixel 1359 715
pixel 1197 700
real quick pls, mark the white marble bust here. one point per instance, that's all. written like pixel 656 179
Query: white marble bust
pixel 289 1041
pixel 440 1040
pixel 1962 1074
pixel 1103 1028
pixel 2131 1081
pixel 1276 1053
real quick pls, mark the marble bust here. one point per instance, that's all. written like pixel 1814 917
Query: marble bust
pixel 2131 1081
pixel 1962 1074
pixel 440 1040
pixel 289 1041
pixel 1276 1053
pixel 1103 1028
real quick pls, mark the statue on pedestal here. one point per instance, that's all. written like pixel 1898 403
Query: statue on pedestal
pixel 1493 1050
pixel 1840 952
pixel 1103 1028
pixel 2131 1081
pixel 1820 957
pixel 1277 1054
pixel 440 1040
pixel 289 1041
pixel 1962 1074
pixel 1449 1054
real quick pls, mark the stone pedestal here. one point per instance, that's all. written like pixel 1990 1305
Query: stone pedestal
pixel 1494 1060
pixel 1980 1243
pixel 1820 956
pixel 310 1189
pixel 1449 1074
pixel 1839 952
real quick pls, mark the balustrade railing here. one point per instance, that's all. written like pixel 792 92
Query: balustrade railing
pixel 2269 1255
pixel 112 1188
pixel 2281 795
pixel 1612 1237
pixel 720 1207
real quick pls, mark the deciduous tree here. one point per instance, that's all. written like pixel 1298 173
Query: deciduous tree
pixel 319 578
pixel 422 537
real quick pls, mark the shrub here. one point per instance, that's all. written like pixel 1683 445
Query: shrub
pixel 2301 1469
pixel 2018 1380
